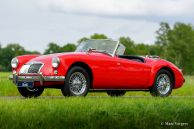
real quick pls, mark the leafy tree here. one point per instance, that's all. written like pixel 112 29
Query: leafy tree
pixel 9 52
pixel 162 41
pixel 155 50
pixel 82 40
pixel 162 34
pixel 129 44
pixel 181 45
pixel 142 49
pixel 32 52
pixel 69 48
pixel 94 36
pixel 53 48
pixel 98 36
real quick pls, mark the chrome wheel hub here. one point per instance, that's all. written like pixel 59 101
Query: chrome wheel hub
pixel 163 84
pixel 77 83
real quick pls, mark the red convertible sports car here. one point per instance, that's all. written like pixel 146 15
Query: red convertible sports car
pixel 96 65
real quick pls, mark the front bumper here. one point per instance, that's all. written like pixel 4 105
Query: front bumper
pixel 36 78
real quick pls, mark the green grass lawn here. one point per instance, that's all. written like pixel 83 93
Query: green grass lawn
pixel 97 113
pixel 7 88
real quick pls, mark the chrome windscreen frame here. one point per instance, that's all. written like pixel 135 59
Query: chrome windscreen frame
pixel 115 50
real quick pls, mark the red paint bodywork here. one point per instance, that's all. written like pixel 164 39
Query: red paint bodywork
pixel 108 72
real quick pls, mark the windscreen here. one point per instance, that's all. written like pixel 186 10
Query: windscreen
pixel 102 45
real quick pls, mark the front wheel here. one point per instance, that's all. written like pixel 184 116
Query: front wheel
pixel 77 82
pixel 116 93
pixel 30 92
pixel 163 84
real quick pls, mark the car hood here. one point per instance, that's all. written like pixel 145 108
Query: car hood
pixel 43 58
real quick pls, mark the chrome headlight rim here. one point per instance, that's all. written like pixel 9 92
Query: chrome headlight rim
pixel 55 62
pixel 14 62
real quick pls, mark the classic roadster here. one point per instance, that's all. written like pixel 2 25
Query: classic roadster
pixel 96 65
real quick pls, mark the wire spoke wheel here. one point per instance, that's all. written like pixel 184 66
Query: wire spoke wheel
pixel 163 84
pixel 77 83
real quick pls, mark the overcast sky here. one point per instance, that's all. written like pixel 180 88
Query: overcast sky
pixel 35 23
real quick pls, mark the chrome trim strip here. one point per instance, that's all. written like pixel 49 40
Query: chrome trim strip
pixel 15 78
pixel 28 78
pixel 54 78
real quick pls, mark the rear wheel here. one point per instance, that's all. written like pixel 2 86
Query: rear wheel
pixel 77 82
pixel 163 84
pixel 116 93
pixel 30 92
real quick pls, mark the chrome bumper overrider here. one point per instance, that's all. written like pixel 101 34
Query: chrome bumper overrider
pixel 38 78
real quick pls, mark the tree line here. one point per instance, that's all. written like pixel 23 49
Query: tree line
pixel 173 43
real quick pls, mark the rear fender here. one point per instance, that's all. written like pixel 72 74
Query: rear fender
pixel 157 66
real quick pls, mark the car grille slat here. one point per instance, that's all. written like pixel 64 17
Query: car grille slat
pixel 34 68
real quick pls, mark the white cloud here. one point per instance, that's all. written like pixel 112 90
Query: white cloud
pixel 33 24
pixel 65 28
pixel 123 7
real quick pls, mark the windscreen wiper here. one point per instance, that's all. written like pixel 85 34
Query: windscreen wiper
pixel 100 51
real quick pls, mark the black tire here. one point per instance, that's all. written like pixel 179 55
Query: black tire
pixel 155 91
pixel 116 93
pixel 30 92
pixel 67 90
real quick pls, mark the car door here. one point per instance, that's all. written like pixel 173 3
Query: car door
pixel 133 74
pixel 105 70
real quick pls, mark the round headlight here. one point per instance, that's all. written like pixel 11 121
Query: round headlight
pixel 14 63
pixel 55 62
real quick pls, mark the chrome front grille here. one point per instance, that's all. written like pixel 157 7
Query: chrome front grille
pixel 31 68
pixel 34 68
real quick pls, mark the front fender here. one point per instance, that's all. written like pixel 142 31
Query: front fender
pixel 24 59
